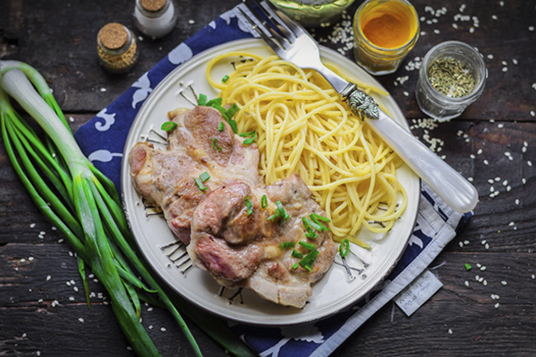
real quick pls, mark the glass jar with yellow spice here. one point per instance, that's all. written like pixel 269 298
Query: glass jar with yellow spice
pixel 385 31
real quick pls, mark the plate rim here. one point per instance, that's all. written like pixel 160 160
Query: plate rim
pixel 124 182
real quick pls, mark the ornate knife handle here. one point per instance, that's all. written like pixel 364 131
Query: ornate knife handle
pixel 360 102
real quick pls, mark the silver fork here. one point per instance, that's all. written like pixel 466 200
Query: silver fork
pixel 292 43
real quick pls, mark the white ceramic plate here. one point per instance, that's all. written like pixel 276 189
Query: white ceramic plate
pixel 331 294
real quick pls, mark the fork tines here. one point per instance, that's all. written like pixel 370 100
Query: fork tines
pixel 272 25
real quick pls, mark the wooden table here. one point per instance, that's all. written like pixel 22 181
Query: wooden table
pixel 37 271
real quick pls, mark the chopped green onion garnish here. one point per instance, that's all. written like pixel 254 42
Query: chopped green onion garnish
pixel 308 261
pixel 264 201
pixel 287 245
pixel 214 144
pixel 296 254
pixel 282 212
pixel 468 266
pixel 251 137
pixel 214 102
pixel 200 185
pixel 248 141
pixel 307 245
pixel 168 126
pixel 220 126
pixel 274 216
pixel 202 99
pixel 249 205
pixel 233 125
pixel 248 134
pixel 204 176
pixel 308 223
pixel 344 248
pixel 233 109
pixel 316 217
pixel 294 266
pixel 225 78
pixel 311 234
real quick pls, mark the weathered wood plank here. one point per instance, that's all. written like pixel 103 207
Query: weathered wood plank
pixel 59 332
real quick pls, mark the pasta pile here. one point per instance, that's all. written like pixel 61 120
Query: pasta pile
pixel 303 127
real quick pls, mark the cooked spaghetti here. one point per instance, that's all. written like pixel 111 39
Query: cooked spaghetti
pixel 303 127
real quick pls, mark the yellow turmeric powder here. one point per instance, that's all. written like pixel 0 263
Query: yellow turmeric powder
pixel 389 24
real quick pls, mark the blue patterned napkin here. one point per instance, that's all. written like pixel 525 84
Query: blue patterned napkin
pixel 103 138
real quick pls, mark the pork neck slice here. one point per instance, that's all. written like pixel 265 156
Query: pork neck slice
pixel 234 242
pixel 165 177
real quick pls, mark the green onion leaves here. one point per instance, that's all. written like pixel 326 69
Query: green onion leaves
pixel 225 78
pixel 296 254
pixel 215 145
pixel 220 126
pixel 199 181
pixel 251 137
pixel 264 201
pixel 249 205
pixel 168 126
pixel 280 212
pixel 307 245
pixel 314 224
pixel 286 245
pixel 202 99
pixel 227 114
pixel 308 261
pixel 344 248
pixel 468 266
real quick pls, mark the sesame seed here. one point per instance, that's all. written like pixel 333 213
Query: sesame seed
pixel 516 201
pixel 48 277
pixel 496 305
pixel 494 17
pixel 466 283
pixel 503 282
pixel 505 69
pixel 450 331
pixel 81 319
pixel 531 28
pixel 71 298
pixel 32 225
pixel 163 329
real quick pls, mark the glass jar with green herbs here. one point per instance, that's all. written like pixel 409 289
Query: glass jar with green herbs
pixel 452 76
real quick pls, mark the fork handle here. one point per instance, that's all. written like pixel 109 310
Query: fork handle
pixel 452 187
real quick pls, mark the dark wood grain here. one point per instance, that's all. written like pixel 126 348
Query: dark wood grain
pixel 58 37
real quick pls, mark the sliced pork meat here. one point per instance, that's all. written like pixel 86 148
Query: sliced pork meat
pixel 165 178
pixel 228 231
pixel 270 270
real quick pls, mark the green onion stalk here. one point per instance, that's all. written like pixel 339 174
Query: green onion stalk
pixel 85 207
